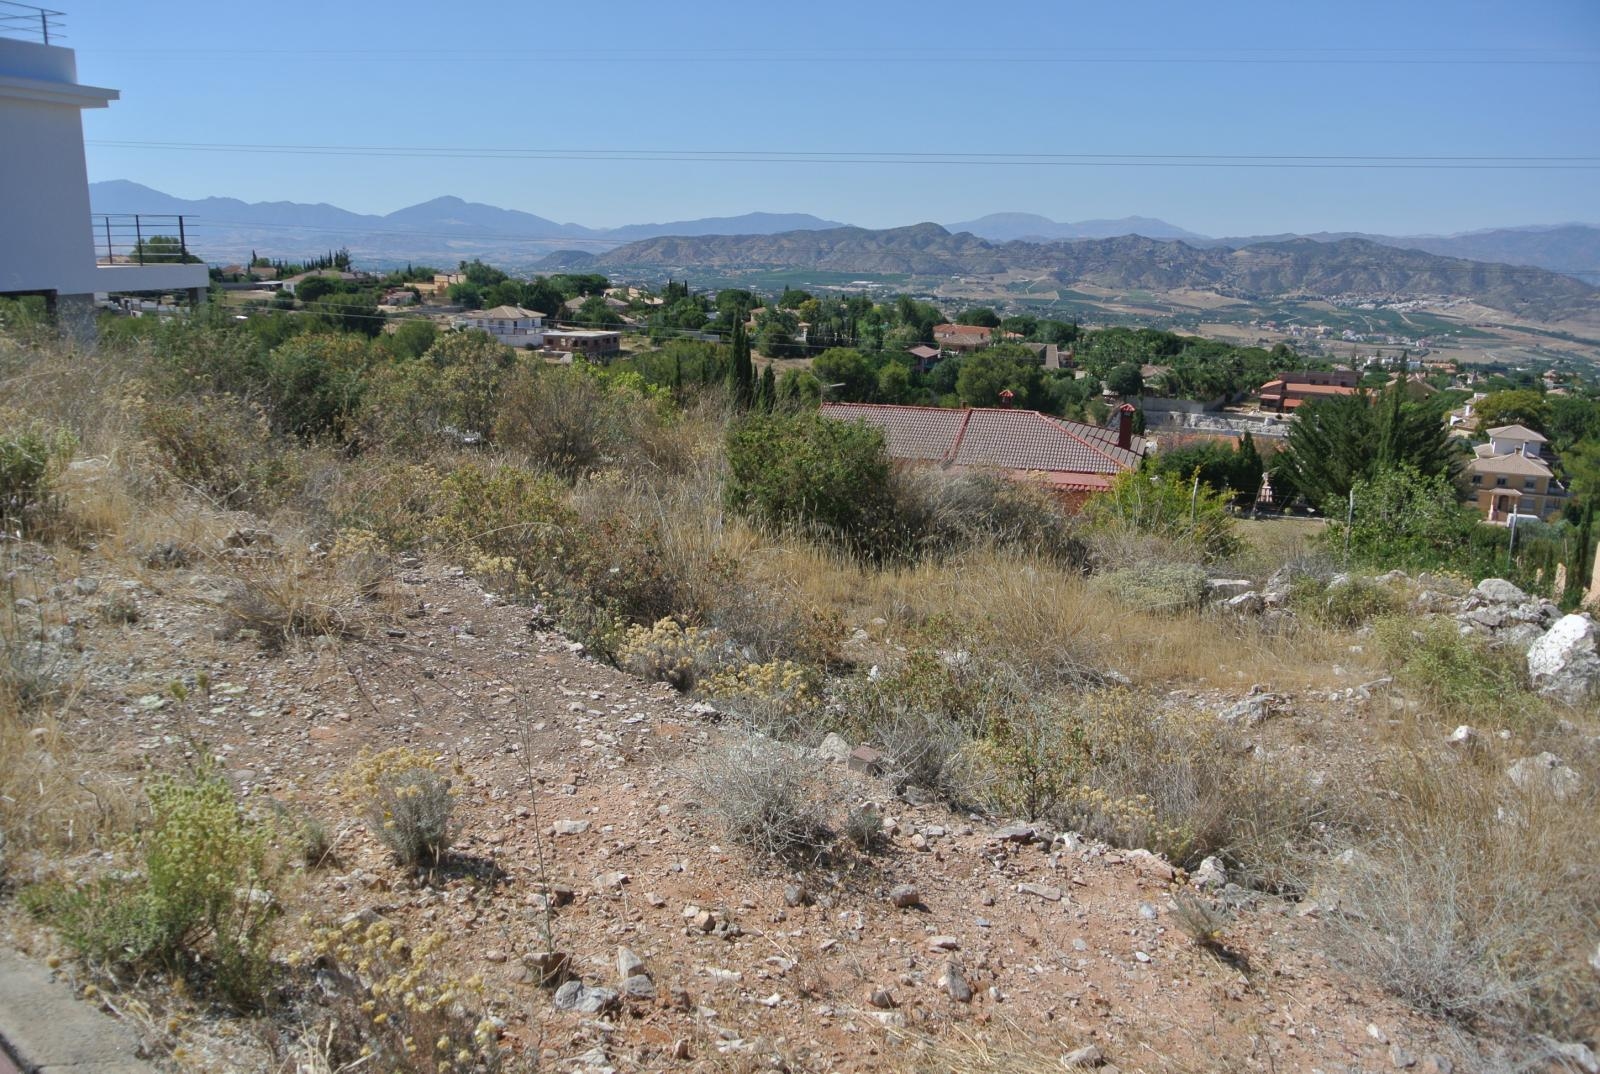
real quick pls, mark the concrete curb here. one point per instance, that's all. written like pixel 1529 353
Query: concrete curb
pixel 50 1031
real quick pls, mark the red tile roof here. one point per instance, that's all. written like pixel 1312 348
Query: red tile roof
pixel 1068 453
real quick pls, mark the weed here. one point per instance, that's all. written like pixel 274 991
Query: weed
pixel 1155 587
pixel 1344 602
pixel 203 905
pixel 1460 676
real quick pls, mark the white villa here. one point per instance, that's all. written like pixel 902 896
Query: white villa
pixel 511 325
pixel 52 246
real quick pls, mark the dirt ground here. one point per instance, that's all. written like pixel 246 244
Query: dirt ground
pixel 1064 943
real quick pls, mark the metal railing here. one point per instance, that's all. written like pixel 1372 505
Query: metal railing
pixel 33 23
pixel 141 239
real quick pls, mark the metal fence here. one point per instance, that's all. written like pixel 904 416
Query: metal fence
pixel 32 23
pixel 141 239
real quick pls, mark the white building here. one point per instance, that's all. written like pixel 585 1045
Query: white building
pixel 511 325
pixel 52 246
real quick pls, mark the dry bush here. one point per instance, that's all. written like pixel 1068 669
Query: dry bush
pixel 1344 602
pixel 390 1006
pixel 407 802
pixel 766 796
pixel 1477 901
pixel 291 598
pixel 947 514
pixel 667 651
pixel 1155 587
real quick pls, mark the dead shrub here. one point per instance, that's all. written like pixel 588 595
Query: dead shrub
pixel 1478 902
pixel 766 796
pixel 281 603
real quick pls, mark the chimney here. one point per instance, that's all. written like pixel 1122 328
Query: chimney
pixel 1125 425
pixel 1006 396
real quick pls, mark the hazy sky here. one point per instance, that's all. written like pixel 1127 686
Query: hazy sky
pixel 858 111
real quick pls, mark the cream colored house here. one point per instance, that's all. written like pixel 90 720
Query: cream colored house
pixel 1511 476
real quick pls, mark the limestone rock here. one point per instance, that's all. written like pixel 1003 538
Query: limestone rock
pixel 1545 773
pixel 834 749
pixel 955 984
pixel 905 896
pixel 1565 663
pixel 585 999
pixel 1499 591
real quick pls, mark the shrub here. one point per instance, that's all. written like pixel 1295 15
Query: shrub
pixel 24 469
pixel 1166 505
pixel 204 901
pixel 670 652
pixel 1345 602
pixel 1473 905
pixel 826 479
pixel 1155 587
pixel 452 392
pixel 218 446
pixel 942 514
pixel 567 419
pixel 1405 520
pixel 765 796
pixel 391 1008
pixel 315 383
pixel 1459 675
pixel 407 803
pixel 778 697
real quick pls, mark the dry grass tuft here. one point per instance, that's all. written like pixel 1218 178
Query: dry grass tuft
pixel 1479 901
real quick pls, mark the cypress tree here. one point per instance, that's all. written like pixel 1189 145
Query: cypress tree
pixel 741 371
pixel 767 391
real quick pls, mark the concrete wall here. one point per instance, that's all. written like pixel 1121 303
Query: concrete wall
pixel 44 210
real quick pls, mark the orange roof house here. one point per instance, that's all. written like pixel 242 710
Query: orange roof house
pixel 1070 458
pixel 962 337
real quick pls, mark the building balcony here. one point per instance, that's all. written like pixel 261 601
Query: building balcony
pixel 145 252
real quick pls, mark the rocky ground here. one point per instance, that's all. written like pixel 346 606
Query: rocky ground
pixel 962 935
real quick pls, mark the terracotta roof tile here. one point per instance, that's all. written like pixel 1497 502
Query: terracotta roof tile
pixel 985 438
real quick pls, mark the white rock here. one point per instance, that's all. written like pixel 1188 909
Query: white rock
pixel 1499 591
pixel 1565 663
pixel 1545 773
pixel 834 749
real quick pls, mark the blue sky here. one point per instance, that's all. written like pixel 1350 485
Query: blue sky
pixel 894 80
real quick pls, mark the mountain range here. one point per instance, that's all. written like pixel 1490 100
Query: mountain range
pixel 448 228
pixel 1303 267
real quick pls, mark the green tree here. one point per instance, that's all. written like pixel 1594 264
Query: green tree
pixel 411 338
pixel 1169 506
pixel 1126 379
pixel 1407 520
pixel 312 288
pixel 1336 441
pixel 163 250
pixel 596 313
pixel 894 383
pixel 741 372
pixel 468 295
pixel 849 370
pixel 1518 407
pixel 767 390
pixel 979 316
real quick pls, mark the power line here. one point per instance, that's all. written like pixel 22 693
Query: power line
pixel 924 56
pixel 774 156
